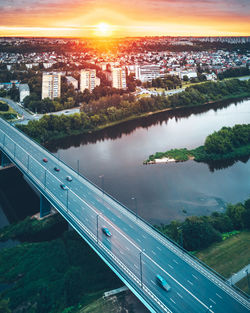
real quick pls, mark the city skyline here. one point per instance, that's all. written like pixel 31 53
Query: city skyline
pixel 92 18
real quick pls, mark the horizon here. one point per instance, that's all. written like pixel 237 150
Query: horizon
pixel 96 18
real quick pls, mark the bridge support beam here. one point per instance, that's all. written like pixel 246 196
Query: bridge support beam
pixel 4 160
pixel 45 206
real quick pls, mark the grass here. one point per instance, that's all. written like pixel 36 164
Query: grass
pixel 3 114
pixel 243 285
pixel 228 256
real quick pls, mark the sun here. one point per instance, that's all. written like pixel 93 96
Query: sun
pixel 103 29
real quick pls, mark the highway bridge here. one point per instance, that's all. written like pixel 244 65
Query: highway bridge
pixel 136 252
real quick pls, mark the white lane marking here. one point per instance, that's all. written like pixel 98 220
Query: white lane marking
pixel 158 248
pixel 153 252
pixel 131 226
pixel 190 282
pixel 138 239
pixel 212 300
pixel 172 300
pixel 144 236
pixel 179 295
pixel 127 248
pixel 195 277
pixel 218 295
pixel 175 261
pixel 153 282
pixel 125 228
pixel 170 266
pixel 136 266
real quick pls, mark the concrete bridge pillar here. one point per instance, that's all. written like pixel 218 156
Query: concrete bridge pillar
pixel 45 206
pixel 4 160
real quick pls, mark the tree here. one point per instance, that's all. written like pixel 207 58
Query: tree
pixel 198 233
pixel 185 78
pixel 237 213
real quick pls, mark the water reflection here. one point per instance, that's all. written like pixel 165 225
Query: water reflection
pixel 164 191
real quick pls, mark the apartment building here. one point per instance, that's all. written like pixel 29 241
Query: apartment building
pixel 118 78
pixel 88 80
pixel 51 85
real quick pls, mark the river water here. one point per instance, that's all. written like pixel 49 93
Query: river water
pixel 163 192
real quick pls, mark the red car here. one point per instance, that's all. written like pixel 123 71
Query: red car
pixel 56 169
pixel 45 160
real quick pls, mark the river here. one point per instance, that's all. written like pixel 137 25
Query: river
pixel 163 192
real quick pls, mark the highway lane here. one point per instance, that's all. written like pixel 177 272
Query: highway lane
pixel 132 233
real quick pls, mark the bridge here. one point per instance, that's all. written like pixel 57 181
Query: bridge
pixel 136 252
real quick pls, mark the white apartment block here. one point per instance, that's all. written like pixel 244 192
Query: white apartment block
pixel 51 85
pixel 148 72
pixel 88 80
pixel 24 91
pixel 118 76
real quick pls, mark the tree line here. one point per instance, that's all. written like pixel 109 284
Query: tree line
pixel 197 233
pixel 117 107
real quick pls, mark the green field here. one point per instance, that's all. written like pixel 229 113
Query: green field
pixel 228 256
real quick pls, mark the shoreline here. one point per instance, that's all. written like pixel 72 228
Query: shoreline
pixel 143 115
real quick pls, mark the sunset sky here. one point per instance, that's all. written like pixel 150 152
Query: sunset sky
pixel 119 18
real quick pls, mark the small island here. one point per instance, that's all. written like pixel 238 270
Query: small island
pixel 227 143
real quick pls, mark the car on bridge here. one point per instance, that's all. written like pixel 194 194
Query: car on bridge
pixel 57 169
pixel 45 160
pixel 162 282
pixel 64 187
pixel 69 178
pixel 106 232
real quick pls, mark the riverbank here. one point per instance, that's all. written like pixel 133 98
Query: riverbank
pixel 134 117
pixel 226 144
pixel 53 127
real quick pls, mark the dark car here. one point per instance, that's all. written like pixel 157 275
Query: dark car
pixel 106 231
pixel 57 169
pixel 162 282
pixel 64 187
pixel 45 160
pixel 69 178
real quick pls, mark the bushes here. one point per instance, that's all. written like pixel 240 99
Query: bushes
pixel 4 106
pixel 200 232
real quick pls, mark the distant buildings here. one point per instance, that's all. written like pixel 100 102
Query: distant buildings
pixel 148 72
pixel 51 85
pixel 88 80
pixel 24 91
pixel 118 78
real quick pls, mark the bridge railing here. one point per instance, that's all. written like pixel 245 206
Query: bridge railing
pixel 85 216
pixel 135 217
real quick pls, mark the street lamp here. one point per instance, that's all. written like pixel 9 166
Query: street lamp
pixel 78 167
pixel 102 184
pixel 67 200
pixel 140 255
pixel 136 208
pixel 97 233
pixel 209 309
pixel 248 283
